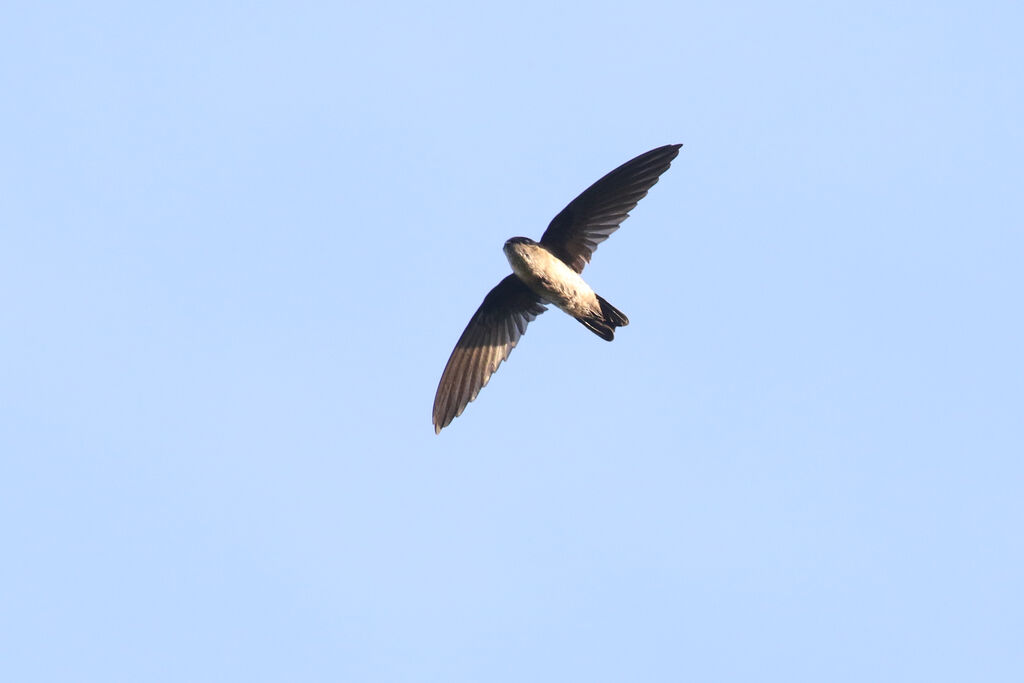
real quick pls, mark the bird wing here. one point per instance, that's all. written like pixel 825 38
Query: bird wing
pixel 490 336
pixel 588 220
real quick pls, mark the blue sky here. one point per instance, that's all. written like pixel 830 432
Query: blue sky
pixel 238 244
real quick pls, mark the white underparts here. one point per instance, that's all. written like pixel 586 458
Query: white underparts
pixel 550 278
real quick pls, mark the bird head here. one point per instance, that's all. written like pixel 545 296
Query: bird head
pixel 509 243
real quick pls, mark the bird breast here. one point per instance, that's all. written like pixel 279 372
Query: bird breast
pixel 551 279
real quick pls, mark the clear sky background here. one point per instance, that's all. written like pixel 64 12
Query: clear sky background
pixel 238 242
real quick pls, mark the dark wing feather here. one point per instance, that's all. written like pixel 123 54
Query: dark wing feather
pixel 589 219
pixel 490 336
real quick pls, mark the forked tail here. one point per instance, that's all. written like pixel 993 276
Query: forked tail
pixel 604 325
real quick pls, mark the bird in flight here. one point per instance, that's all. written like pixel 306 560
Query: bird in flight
pixel 547 272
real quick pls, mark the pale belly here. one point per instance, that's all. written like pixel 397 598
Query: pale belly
pixel 552 280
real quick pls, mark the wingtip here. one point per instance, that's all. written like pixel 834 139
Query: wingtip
pixel 666 152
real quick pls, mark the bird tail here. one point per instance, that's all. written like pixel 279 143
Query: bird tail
pixel 604 324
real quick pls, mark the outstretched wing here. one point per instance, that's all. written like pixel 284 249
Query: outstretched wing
pixel 490 336
pixel 589 219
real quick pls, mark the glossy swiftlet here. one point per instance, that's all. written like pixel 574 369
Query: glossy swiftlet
pixel 547 272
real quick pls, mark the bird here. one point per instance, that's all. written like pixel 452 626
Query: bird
pixel 543 273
